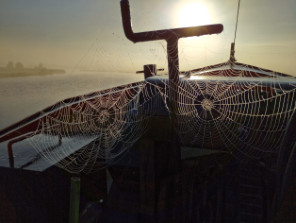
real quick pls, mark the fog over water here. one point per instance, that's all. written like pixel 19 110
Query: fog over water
pixel 24 96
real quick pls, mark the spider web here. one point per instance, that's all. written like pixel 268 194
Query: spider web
pixel 235 111
pixel 110 120
pixel 233 108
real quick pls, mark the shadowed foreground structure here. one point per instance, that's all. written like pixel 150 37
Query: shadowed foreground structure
pixel 146 170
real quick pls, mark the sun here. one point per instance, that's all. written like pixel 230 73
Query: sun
pixel 193 14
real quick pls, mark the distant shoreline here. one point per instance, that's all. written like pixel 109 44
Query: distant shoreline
pixel 32 72
pixel 19 70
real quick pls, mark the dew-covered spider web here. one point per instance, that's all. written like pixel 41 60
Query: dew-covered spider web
pixel 106 123
pixel 236 108
pixel 229 110
pixel 236 112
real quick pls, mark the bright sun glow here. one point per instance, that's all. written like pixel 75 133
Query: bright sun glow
pixel 194 14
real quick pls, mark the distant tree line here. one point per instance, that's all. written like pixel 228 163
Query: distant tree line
pixel 19 66
pixel 19 69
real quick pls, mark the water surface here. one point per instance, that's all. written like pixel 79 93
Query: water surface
pixel 23 96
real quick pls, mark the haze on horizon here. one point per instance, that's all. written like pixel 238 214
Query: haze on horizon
pixel 88 34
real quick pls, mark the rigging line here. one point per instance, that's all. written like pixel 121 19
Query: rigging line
pixel 237 15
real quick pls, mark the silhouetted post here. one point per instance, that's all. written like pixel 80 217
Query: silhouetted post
pixel 74 200
pixel 149 70
pixel 173 67
pixel 232 52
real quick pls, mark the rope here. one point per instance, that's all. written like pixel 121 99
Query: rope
pixel 237 15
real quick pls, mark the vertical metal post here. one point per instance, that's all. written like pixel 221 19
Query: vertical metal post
pixel 74 200
pixel 232 58
pixel 173 68
pixel 10 154
pixel 149 70
pixel 173 59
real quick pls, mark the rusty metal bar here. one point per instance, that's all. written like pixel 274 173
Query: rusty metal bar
pixel 171 36
pixel 163 34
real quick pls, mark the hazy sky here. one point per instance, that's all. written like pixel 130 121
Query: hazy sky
pixel 88 34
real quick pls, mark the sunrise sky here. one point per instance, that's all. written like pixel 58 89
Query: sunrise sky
pixel 88 34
